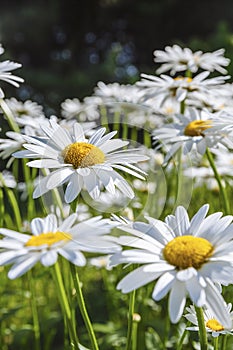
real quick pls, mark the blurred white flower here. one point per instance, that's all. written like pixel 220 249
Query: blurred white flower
pixel 176 59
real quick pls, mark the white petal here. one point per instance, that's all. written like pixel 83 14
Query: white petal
pixel 37 226
pixel 68 223
pixel 58 177
pixel 176 302
pixel 136 279
pixel 196 292
pixel 10 256
pixel 14 234
pixel 45 163
pixel 76 257
pixel 182 221
pixel 198 218
pixel 50 223
pixel 187 274
pixel 163 285
pixel 49 258
pixel 73 188
pixel 23 266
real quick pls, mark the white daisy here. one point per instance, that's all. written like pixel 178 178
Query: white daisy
pixel 186 256
pixel 83 163
pixel 24 109
pixel 212 325
pixel 176 59
pixel 73 108
pixel 179 88
pixel 5 73
pixel 50 239
pixel 7 179
pixel 195 131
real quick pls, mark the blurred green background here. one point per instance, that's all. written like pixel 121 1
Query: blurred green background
pixel 67 46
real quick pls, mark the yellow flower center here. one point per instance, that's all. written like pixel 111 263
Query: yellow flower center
pixel 187 79
pixel 82 154
pixel 48 238
pixel 196 127
pixel 214 325
pixel 187 251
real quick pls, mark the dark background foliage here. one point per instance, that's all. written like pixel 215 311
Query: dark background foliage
pixel 67 46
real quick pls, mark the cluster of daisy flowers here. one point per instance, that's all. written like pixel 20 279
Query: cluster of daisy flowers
pixel 188 115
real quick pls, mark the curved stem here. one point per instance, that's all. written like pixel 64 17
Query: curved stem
pixel 65 306
pixel 202 329
pixel 82 306
pixel 9 116
pixel 13 202
pixel 130 320
pixel 219 181
pixel 181 340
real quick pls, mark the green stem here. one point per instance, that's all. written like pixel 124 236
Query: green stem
pixel 130 320
pixel 13 202
pixel 82 307
pixel 216 343
pixel 136 320
pixel 202 329
pixel 28 182
pixel 65 307
pixel 182 107
pixel 179 176
pixel 35 316
pixel 181 340
pixel 104 117
pixel 224 342
pixel 219 181
pixel 9 115
pixel 2 208
pixel 147 138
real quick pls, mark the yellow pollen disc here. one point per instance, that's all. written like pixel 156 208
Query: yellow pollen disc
pixel 187 251
pixel 82 154
pixel 187 79
pixel 214 325
pixel 196 127
pixel 48 238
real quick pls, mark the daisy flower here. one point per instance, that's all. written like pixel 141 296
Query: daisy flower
pixel 195 131
pixel 176 59
pixel 6 75
pixel 24 109
pixel 73 108
pixel 7 179
pixel 80 162
pixel 179 88
pixel 212 325
pixel 48 239
pixel 186 256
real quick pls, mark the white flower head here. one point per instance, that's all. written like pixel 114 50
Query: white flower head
pixel 73 108
pixel 180 87
pixel 212 325
pixel 27 109
pixel 186 257
pixel 82 163
pixel 176 59
pixel 195 131
pixel 48 239
pixel 6 75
